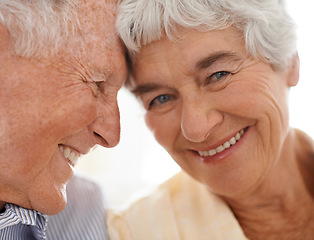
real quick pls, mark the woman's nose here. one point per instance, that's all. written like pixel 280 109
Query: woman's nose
pixel 106 127
pixel 198 119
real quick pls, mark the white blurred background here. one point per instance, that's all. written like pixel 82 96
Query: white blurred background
pixel 138 162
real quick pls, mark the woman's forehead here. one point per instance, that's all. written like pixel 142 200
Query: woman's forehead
pixel 192 47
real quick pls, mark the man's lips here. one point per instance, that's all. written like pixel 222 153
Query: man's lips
pixel 70 154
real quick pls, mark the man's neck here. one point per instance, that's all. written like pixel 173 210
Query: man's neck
pixel 2 208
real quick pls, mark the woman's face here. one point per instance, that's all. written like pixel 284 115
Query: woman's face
pixel 220 114
pixel 54 110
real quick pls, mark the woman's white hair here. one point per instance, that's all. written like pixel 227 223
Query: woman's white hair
pixel 37 26
pixel 268 30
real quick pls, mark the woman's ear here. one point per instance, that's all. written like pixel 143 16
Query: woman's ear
pixel 293 72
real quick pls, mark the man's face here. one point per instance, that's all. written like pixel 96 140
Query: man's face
pixel 55 109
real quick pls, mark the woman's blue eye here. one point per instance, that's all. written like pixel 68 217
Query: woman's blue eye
pixel 160 99
pixel 216 77
pixel 219 75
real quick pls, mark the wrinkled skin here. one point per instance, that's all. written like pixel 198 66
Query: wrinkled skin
pixel 68 99
pixel 201 90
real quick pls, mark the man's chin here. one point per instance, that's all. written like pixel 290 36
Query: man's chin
pixel 50 203
pixel 52 209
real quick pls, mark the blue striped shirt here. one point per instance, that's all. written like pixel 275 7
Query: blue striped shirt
pixel 82 219
pixel 20 223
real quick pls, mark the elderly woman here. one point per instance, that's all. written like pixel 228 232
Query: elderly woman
pixel 61 65
pixel 214 78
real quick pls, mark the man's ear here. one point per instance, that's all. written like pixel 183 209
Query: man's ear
pixel 293 72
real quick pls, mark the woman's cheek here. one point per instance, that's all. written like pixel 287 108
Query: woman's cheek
pixel 156 125
pixel 165 127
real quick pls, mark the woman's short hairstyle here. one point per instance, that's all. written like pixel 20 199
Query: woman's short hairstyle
pixel 37 26
pixel 268 30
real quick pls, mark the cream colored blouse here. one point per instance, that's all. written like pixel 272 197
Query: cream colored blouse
pixel 180 208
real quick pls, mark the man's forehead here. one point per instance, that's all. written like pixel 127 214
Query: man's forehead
pixel 95 45
pixel 93 11
pixel 97 20
pixel 67 64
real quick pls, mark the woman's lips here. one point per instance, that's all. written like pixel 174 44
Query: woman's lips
pixel 232 141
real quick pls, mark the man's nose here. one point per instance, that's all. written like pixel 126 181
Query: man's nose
pixel 198 119
pixel 106 126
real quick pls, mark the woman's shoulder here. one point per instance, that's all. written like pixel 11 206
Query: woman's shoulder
pixel 180 208
pixel 179 189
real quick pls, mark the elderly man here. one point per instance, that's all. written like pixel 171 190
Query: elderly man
pixel 61 66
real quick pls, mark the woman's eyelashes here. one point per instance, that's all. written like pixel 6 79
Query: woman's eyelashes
pixel 164 99
pixel 160 100
pixel 215 77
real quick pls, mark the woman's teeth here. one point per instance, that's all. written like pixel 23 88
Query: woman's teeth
pixel 70 155
pixel 224 146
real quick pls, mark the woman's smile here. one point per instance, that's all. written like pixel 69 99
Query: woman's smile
pixel 219 151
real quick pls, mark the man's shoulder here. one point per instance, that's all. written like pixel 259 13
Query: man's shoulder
pixel 84 193
pixel 82 185
pixel 84 215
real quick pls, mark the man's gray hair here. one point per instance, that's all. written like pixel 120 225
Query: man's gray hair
pixel 268 30
pixel 37 26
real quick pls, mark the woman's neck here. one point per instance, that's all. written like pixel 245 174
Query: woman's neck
pixel 277 219
pixel 282 207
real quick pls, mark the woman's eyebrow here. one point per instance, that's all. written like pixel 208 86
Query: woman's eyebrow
pixel 217 56
pixel 145 88
pixel 202 64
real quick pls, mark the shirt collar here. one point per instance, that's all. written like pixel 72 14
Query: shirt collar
pixel 14 214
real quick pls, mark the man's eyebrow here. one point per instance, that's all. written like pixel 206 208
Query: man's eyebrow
pixel 145 88
pixel 214 57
